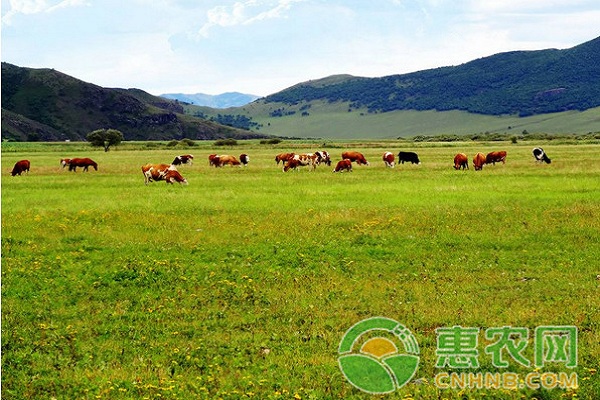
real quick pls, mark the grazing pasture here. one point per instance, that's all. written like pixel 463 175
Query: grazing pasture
pixel 242 283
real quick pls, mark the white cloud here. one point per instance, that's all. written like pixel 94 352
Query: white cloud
pixel 29 7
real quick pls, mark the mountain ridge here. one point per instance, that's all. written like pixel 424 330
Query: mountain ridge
pixel 223 100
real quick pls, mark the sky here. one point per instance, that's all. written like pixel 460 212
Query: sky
pixel 261 47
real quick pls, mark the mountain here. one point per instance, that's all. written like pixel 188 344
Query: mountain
pixel 47 105
pixel 513 83
pixel 223 100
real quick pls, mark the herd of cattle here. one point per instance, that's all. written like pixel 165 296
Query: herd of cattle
pixel 170 174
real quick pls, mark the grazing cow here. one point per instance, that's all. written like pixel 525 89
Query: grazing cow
pixel 283 157
pixel 408 156
pixel 21 166
pixel 478 161
pixel 461 161
pixel 343 165
pixel 540 155
pixel 244 159
pixel 183 159
pixel 300 160
pixel 355 156
pixel 226 159
pixel 73 163
pixel 162 172
pixel 388 159
pixel 495 156
pixel 323 157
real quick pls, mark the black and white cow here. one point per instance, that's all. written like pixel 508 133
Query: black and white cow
pixel 540 155
pixel 183 159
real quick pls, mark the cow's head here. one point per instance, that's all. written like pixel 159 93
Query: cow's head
pixel 65 161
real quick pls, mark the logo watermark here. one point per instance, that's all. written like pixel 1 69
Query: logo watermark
pixel 372 361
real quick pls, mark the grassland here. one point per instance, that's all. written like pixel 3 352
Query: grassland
pixel 242 284
pixel 332 120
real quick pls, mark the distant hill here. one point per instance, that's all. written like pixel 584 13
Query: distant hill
pixel 520 83
pixel 47 105
pixel 223 100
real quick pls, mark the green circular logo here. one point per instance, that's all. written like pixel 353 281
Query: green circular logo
pixel 370 359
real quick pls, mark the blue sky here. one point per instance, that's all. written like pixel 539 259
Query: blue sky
pixel 264 46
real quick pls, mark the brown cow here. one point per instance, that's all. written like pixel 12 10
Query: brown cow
pixel 244 159
pixel 478 161
pixel 183 159
pixel 343 165
pixel 73 163
pixel 283 157
pixel 355 156
pixel 213 160
pixel 226 159
pixel 389 159
pixel 496 156
pixel 301 160
pixel 160 172
pixel 21 166
pixel 461 161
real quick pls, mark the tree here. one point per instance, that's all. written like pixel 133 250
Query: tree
pixel 105 138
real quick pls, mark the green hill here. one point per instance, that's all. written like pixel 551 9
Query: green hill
pixel 44 104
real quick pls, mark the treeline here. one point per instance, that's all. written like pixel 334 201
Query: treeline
pixel 500 137
pixel 232 120
pixel 516 83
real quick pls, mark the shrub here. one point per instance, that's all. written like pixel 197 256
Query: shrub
pixel 226 142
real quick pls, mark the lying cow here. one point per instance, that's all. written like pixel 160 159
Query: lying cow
pixel 162 172
pixel 73 163
pixel 540 155
pixel 355 156
pixel 20 166
pixel 183 159
pixel 478 161
pixel 226 159
pixel 388 159
pixel 408 156
pixel 461 161
pixel 343 165
pixel 283 157
pixel 213 160
pixel 495 156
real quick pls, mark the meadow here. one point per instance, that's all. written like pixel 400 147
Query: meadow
pixel 242 283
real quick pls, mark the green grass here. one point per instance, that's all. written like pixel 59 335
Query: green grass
pixel 242 284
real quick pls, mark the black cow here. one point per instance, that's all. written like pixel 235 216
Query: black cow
pixel 540 155
pixel 408 156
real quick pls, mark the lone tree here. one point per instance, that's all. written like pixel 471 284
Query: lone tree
pixel 105 138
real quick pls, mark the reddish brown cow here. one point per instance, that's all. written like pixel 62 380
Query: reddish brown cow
pixel 496 156
pixel 160 172
pixel 301 160
pixel 21 166
pixel 213 160
pixel 478 161
pixel 389 159
pixel 461 161
pixel 226 159
pixel 283 157
pixel 183 159
pixel 343 165
pixel 73 163
pixel 244 159
pixel 355 156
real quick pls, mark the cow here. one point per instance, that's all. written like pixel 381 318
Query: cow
pixel 301 160
pixel 478 161
pixel 388 159
pixel 283 157
pixel 244 159
pixel 343 165
pixel 183 159
pixel 355 156
pixel 408 156
pixel 540 155
pixel 73 163
pixel 461 161
pixel 495 156
pixel 213 160
pixel 323 157
pixel 226 159
pixel 20 166
pixel 162 172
